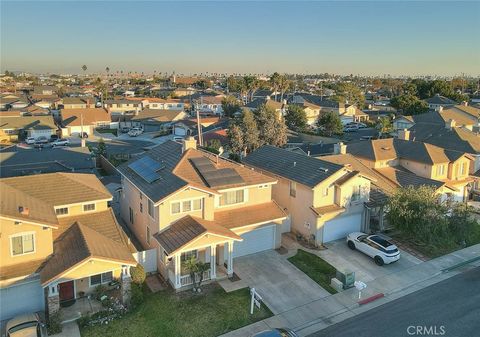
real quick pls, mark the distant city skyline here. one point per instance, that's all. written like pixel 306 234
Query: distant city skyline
pixel 366 38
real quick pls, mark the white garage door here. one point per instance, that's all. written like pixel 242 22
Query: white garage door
pixel 20 299
pixel 340 227
pixel 255 241
pixel 179 131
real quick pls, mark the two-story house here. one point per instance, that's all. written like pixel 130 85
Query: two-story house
pixel 122 106
pixel 412 163
pixel 185 202
pixel 59 240
pixel 325 200
pixel 210 104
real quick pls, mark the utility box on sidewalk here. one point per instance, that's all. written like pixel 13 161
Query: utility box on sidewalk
pixel 336 284
pixel 347 278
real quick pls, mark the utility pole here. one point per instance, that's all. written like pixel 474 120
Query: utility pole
pixel 81 128
pixel 199 129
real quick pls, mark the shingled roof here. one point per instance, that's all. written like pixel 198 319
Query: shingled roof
pixel 293 166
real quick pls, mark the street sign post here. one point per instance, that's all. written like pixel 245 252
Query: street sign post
pixel 255 300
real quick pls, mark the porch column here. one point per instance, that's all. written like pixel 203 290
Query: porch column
pixel 126 284
pixel 230 258
pixel 177 265
pixel 53 299
pixel 213 262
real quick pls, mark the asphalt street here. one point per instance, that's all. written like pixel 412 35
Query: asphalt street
pixel 449 308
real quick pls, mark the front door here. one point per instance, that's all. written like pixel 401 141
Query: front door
pixel 67 291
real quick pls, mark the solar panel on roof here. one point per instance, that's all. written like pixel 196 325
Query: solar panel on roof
pixel 216 177
pixel 146 168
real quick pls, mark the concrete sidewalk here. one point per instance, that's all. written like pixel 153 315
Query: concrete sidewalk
pixel 323 312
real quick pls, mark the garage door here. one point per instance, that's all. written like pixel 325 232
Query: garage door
pixel 340 227
pixel 20 299
pixel 179 131
pixel 255 241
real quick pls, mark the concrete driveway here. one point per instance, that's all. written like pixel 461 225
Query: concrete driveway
pixel 342 258
pixel 282 286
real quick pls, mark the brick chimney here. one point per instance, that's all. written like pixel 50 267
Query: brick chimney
pixel 450 124
pixel 404 134
pixel 340 148
pixel 189 143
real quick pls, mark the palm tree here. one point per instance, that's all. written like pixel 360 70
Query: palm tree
pixel 274 79
pixel 283 85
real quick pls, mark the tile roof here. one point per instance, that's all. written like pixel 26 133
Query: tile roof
pixel 250 215
pixel 78 244
pixel 258 102
pixel 20 269
pixel 40 193
pixel 27 122
pixel 159 115
pixel 334 208
pixel 73 117
pixel 303 169
pixel 393 148
pixel 437 99
pixel 188 228
pixel 346 178
pixel 404 178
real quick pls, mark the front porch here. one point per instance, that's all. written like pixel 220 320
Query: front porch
pixel 81 307
pixel 219 257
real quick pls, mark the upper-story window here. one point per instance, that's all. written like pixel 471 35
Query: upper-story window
pixel 325 192
pixel 232 197
pixel 22 243
pixel 61 211
pixel 293 189
pixel 151 208
pixel 186 206
pixel 440 170
pixel 463 169
pixel 89 207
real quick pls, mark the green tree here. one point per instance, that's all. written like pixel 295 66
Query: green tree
pixel 409 104
pixel 275 81
pixel 330 124
pixel 251 135
pixel 235 135
pixel 196 269
pixel 230 106
pixel 347 92
pixel 138 274
pixel 271 127
pixel 296 118
pixel 384 126
pixel 102 148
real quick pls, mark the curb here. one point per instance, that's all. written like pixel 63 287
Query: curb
pixel 371 298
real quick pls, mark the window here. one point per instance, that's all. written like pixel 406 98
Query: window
pixel 187 206
pixel 356 192
pixel 293 189
pixel 141 196
pixel 23 244
pixel 130 215
pixel 61 211
pixel 188 255
pixel 151 208
pixel 197 204
pixel 88 207
pixel 141 208
pixel 262 186
pixel 148 235
pixel 231 197
pixel 175 207
pixel 463 168
pixel 440 170
pixel 325 192
pixel 101 278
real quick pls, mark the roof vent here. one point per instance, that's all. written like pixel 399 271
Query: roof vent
pixel 323 169
pixel 294 163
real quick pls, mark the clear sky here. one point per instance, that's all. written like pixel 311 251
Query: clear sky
pixel 379 37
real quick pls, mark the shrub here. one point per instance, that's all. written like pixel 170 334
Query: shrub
pixel 138 274
pixel 99 291
pixel 136 295
pixel 54 324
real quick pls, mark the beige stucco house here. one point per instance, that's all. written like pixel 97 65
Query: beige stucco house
pixel 59 240
pixel 325 200
pixel 184 202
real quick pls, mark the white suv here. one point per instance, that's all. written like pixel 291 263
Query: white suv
pixel 381 250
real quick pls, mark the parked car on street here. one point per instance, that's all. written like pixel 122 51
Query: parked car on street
pixel 125 129
pixel 350 129
pixel 30 140
pixel 27 325
pixel 53 138
pixel 177 139
pixel 380 249
pixel 135 132
pixel 281 332
pixel 61 142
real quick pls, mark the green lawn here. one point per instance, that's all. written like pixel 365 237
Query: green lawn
pixel 317 269
pixel 166 314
